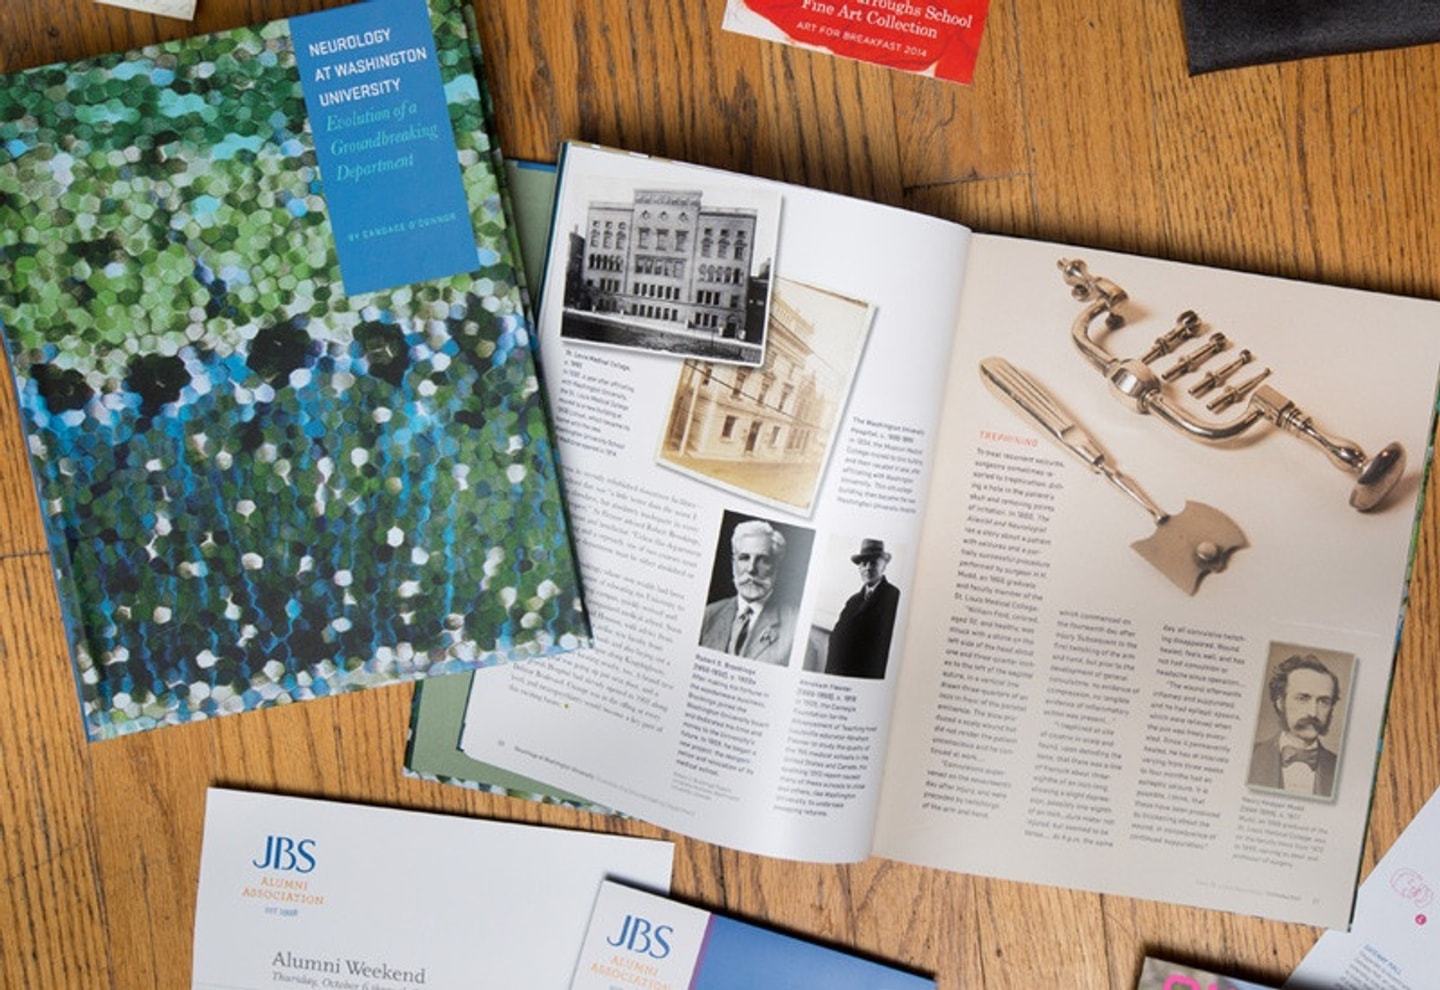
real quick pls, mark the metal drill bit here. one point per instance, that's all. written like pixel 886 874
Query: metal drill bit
pixel 1196 358
pixel 1235 393
pixel 1214 379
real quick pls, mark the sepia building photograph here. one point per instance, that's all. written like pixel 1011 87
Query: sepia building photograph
pixel 767 432
pixel 676 271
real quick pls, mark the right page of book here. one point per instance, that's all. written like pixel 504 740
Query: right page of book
pixel 1174 692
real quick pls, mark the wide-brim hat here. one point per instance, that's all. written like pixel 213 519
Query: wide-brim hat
pixel 870 549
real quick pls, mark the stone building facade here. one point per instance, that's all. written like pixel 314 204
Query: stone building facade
pixel 667 257
pixel 778 412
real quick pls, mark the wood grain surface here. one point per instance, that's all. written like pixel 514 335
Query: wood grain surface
pixel 1081 125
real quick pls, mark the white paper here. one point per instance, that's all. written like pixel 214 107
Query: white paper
pixel 349 895
pixel 1394 942
pixel 182 9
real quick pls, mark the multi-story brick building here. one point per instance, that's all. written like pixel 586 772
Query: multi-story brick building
pixel 666 257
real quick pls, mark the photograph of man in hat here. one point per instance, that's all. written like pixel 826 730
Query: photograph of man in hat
pixel 860 639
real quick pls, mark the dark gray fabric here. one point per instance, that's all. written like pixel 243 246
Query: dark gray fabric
pixel 1223 34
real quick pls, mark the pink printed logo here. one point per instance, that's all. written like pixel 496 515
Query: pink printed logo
pixel 1411 886
pixel 1178 981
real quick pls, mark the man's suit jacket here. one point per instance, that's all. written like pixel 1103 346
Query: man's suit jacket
pixel 1265 768
pixel 860 640
pixel 769 639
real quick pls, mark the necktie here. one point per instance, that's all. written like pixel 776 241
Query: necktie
pixel 742 630
pixel 1294 754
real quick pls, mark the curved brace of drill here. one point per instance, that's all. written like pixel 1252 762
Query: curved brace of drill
pixel 1141 389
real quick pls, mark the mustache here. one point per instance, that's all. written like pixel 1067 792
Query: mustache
pixel 1321 726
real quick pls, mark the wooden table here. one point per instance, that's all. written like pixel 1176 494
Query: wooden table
pixel 1082 125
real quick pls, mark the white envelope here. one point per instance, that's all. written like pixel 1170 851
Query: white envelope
pixel 299 892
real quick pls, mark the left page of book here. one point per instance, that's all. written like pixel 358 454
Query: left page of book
pixel 264 321
pixel 734 473
pixel 302 892
pixel 640 939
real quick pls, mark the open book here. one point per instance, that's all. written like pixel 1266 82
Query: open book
pixel 1065 675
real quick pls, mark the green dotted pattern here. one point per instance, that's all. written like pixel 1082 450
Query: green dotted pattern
pixel 257 489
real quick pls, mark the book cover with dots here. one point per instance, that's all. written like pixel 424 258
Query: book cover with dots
pixel 265 318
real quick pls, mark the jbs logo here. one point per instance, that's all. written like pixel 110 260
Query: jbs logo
pixel 640 935
pixel 286 854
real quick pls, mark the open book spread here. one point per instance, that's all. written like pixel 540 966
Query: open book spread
pixel 265 321
pixel 993 555
pixel 642 940
pixel 300 892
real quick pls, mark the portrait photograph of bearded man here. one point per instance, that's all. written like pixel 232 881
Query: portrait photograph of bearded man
pixel 1302 721
pixel 755 588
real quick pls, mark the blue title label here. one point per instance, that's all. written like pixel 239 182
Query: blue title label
pixel 385 144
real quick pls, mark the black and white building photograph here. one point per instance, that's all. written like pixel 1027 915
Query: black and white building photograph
pixel 679 271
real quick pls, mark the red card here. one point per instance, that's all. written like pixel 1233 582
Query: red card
pixel 930 37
